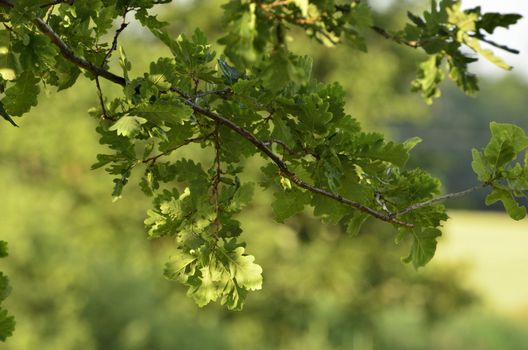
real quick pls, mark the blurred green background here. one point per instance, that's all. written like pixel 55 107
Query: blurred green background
pixel 84 275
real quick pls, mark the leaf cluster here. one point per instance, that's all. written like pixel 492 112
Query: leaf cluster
pixel 497 166
pixel 443 32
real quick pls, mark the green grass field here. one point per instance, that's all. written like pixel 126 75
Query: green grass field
pixel 495 250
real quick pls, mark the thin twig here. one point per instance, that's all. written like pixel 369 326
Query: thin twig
pixel 289 150
pixel 439 199
pixel 223 92
pixel 112 48
pixel 283 144
pixel 384 33
pixel 105 115
pixel 493 43
pixel 153 159
pixel 216 179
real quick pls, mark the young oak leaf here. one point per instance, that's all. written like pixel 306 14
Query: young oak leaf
pixel 423 247
pixel 212 283
pixel 234 296
pixel 20 97
pixel 176 266
pixel 303 6
pixel 514 210
pixel 243 269
pixel 128 126
pixel 7 324
pixel 168 111
pixel 288 203
pixel 480 166
pixel 506 142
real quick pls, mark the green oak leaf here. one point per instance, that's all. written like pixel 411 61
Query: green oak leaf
pixel 428 77
pixel 329 210
pixel 313 114
pixel 36 53
pixel 303 6
pixel 169 213
pixel 7 324
pixel 20 97
pixel 6 116
pixel 242 197
pixel 213 280
pixel 128 126
pixel 3 249
pixel 373 146
pixel 175 268
pixel 513 133
pixel 506 142
pixel 492 20
pixel 288 203
pixel 243 269
pixel 277 75
pixel 423 247
pixel 360 15
pixel 409 144
pixel 480 166
pixel 66 72
pixel 355 223
pixel 234 296
pixel 514 210
pixel 124 63
pixel 168 111
pixel 488 54
pixel 5 289
pixel 231 74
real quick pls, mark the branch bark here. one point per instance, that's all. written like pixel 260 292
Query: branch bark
pixel 440 199
pixel 67 52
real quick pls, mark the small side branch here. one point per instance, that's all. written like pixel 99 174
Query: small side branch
pixel 439 199
pixel 494 44
pixel 153 159
pixel 68 53
pixel 215 183
pixel 112 48
pixel 384 33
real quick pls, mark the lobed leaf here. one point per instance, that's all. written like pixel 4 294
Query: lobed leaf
pixel 423 246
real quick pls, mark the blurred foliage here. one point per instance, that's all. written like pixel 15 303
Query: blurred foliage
pixel 84 276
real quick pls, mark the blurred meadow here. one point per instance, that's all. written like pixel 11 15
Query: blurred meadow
pixel 84 275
